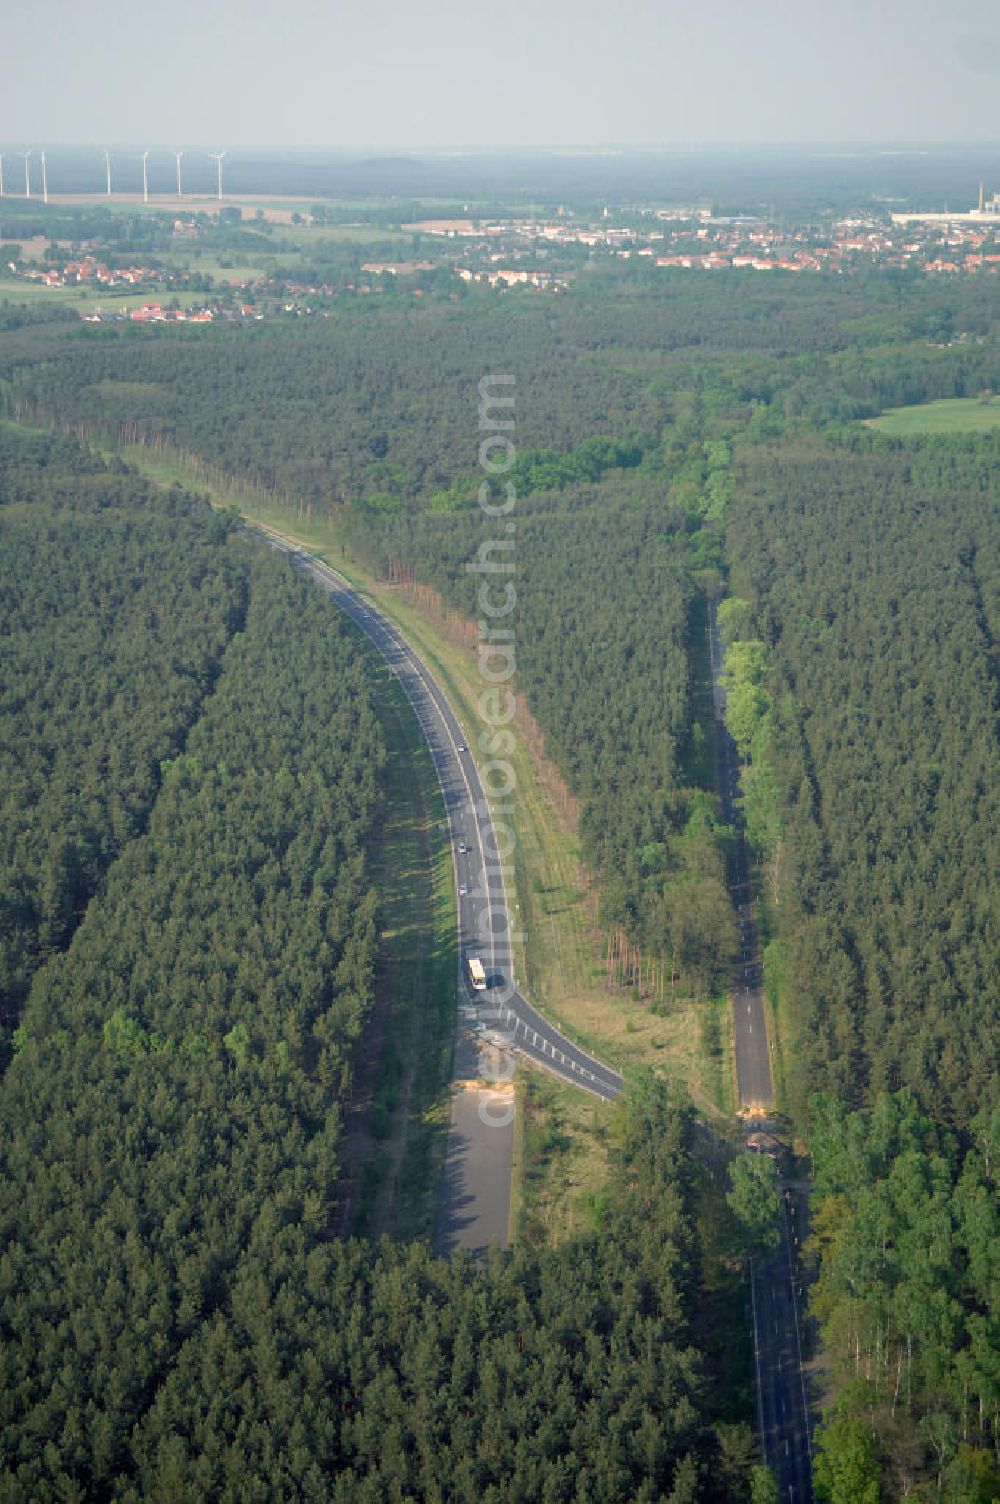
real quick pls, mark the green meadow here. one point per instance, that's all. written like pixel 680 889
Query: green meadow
pixel 950 415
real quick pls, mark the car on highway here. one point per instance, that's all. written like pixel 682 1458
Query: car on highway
pixel 463 890
pixel 463 849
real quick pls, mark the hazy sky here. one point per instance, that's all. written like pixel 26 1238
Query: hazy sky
pixel 384 73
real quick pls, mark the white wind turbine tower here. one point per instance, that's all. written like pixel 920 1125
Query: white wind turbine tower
pixel 145 176
pixel 178 155
pixel 27 177
pixel 45 182
pixel 107 169
pixel 217 157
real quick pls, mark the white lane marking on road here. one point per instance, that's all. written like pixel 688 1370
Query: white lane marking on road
pixel 798 1338
pixel 442 707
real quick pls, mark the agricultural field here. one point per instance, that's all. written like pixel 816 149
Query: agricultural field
pixel 87 300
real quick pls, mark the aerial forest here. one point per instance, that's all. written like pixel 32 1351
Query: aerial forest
pixel 187 984
pixel 191 750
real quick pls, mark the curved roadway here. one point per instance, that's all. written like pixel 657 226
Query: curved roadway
pixel 500 1015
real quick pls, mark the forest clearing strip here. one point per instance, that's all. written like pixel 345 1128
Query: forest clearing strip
pixel 474 1202
pixel 782 1401
pixel 398 1120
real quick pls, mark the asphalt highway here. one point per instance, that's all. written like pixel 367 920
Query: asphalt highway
pixel 499 1015
pixel 782 1405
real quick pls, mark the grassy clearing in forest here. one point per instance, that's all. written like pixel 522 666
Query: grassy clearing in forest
pixel 562 1166
pixel 398 1141
pixel 949 415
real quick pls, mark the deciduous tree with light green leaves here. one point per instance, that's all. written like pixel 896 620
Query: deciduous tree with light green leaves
pixel 733 616
pixel 763 1486
pixel 747 702
pixel 845 1470
pixel 754 1198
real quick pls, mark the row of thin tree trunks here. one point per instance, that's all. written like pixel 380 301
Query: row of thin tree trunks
pixel 625 965
pixel 131 434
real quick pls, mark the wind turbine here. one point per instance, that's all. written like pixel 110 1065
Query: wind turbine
pixel 178 155
pixel 217 157
pixel 45 182
pixel 145 176
pixel 107 169
pixel 1 174
pixel 27 179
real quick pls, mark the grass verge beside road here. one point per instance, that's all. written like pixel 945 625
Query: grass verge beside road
pixel 563 1160
pixel 401 1113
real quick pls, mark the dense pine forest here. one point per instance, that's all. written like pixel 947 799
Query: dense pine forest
pixel 347 1372
pixel 377 402
pixel 176 1319
pixel 906 1233
pixel 116 613
pixel 605 613
pixel 678 439
pixel 292 1366
pixel 869 591
pixel 875 585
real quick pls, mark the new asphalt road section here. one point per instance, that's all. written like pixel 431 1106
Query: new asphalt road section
pixel 502 1013
pixel 494 1019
